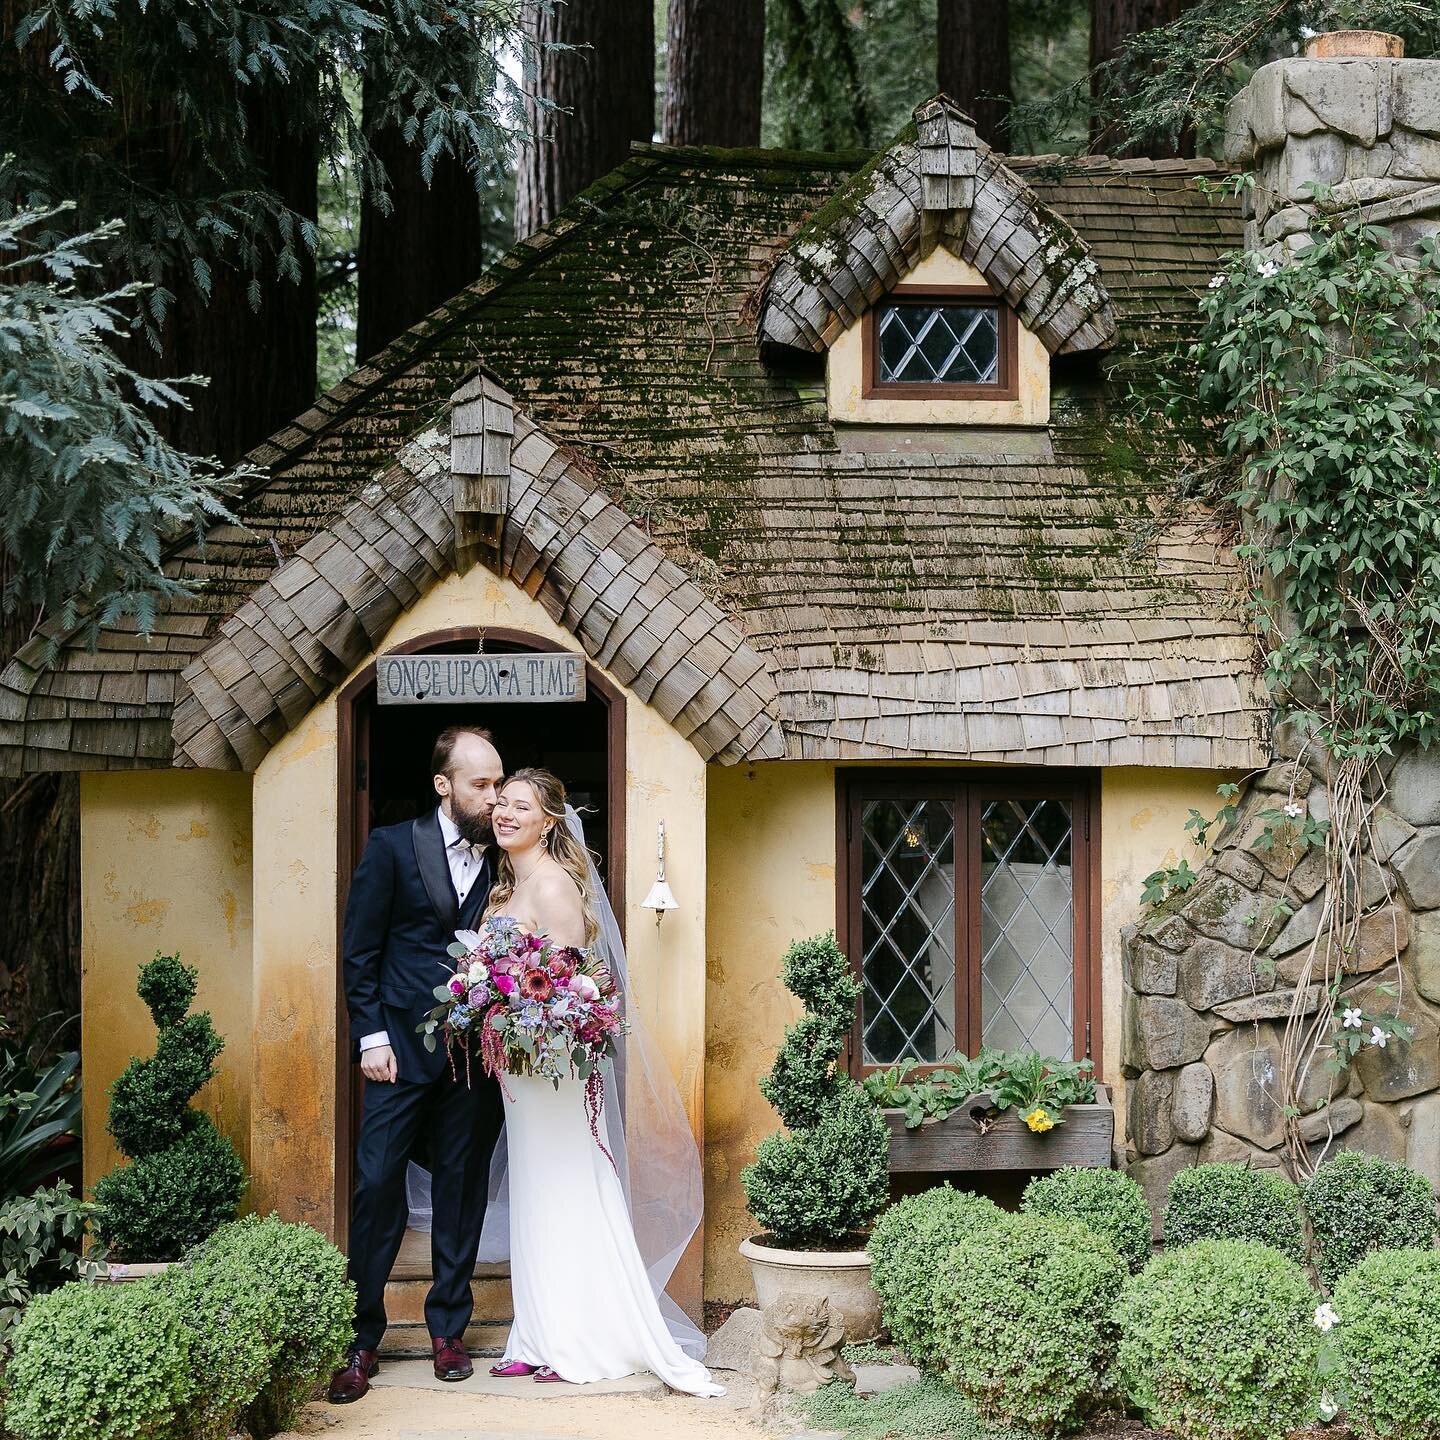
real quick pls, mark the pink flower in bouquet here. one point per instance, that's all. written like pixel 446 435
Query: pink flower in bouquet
pixel 536 985
pixel 561 967
pixel 457 985
pixel 585 987
pixel 505 983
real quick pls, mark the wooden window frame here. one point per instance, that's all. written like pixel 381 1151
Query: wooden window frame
pixel 969 790
pixel 1005 387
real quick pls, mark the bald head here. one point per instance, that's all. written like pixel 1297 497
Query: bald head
pixel 467 774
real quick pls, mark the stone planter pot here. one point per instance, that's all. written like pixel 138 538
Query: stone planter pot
pixel 1355 45
pixel 958 1142
pixel 840 1276
pixel 118 1273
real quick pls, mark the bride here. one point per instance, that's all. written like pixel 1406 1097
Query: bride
pixel 586 1307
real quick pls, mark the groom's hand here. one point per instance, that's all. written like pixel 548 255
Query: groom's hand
pixel 378 1064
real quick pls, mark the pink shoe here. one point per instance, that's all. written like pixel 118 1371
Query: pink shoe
pixel 546 1376
pixel 514 1370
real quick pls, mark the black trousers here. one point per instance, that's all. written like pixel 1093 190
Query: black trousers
pixel 455 1126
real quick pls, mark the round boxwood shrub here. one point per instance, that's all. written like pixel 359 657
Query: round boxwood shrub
pixel 1388 1343
pixel 184 1177
pixel 99 1362
pixel 1358 1203
pixel 1234 1202
pixel 828 1175
pixel 229 1347
pixel 906 1247
pixel 1109 1202
pixel 1218 1342
pixel 1023 1320
pixel 303 1305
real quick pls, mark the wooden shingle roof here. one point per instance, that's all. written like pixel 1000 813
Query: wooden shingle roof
pixel 989 595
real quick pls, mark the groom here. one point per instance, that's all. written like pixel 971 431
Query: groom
pixel 416 884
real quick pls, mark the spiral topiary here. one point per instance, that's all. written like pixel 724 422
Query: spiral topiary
pixel 184 1178
pixel 828 1177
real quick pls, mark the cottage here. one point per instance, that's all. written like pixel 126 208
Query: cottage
pixel 803 462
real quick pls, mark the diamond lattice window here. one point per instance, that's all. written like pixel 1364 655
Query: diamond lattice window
pixel 939 344
pixel 967 915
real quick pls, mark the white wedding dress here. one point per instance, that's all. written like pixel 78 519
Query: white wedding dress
pixel 583 1302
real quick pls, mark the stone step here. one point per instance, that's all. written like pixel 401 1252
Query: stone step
pixel 405 1298
pixel 404 1339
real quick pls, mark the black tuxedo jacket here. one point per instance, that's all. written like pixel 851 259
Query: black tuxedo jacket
pixel 401 915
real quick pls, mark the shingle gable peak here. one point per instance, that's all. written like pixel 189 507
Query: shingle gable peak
pixel 939 183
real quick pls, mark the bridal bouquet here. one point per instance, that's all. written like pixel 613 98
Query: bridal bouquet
pixel 528 1006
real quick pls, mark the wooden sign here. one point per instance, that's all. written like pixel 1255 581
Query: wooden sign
pixel 523 679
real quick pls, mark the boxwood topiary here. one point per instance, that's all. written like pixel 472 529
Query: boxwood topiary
pixel 99 1362
pixel 1234 1202
pixel 184 1178
pixel 1388 1343
pixel 305 1307
pixel 1358 1203
pixel 1218 1342
pixel 906 1247
pixel 1108 1201
pixel 829 1176
pixel 1023 1320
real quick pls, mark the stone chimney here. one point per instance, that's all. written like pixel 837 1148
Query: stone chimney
pixel 1365 125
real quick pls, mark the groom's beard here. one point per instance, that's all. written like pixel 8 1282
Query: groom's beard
pixel 473 825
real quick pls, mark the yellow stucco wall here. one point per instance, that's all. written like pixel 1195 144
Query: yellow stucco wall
pixel 845 370
pixel 296 933
pixel 1142 827
pixel 772 879
pixel 164 865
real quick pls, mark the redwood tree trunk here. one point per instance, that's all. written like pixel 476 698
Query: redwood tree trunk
pixel 715 61
pixel 1112 22
pixel 426 250
pixel 261 362
pixel 973 64
pixel 603 94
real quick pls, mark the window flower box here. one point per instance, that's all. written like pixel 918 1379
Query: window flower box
pixel 972 1137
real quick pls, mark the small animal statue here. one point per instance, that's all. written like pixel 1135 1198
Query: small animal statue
pixel 798 1348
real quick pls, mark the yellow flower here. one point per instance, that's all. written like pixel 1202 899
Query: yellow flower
pixel 1039 1120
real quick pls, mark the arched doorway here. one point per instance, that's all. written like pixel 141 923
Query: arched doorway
pixel 383 757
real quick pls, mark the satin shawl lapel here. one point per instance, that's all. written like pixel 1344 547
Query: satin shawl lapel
pixel 479 891
pixel 435 871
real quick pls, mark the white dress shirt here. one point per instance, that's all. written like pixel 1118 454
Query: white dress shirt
pixel 464 859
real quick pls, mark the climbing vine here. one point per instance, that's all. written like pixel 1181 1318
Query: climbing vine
pixel 1315 368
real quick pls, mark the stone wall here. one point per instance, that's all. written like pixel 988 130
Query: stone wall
pixel 1211 976
pixel 1210 979
pixel 1367 128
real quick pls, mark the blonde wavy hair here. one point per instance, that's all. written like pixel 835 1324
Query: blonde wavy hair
pixel 559 843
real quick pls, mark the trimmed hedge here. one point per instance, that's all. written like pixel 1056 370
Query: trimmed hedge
pixel 1358 1203
pixel 1388 1344
pixel 233 1339
pixel 1108 1202
pixel 1023 1320
pixel 1234 1202
pixel 1218 1342
pixel 908 1243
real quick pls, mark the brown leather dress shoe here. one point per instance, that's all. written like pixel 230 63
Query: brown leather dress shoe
pixel 352 1380
pixel 451 1361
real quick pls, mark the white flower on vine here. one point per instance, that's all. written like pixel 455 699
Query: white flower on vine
pixel 1379 1038
pixel 1267 268
pixel 1294 810
pixel 1216 281
pixel 1352 1019
pixel 1325 1316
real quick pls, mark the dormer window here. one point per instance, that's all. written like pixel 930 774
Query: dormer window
pixel 946 342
